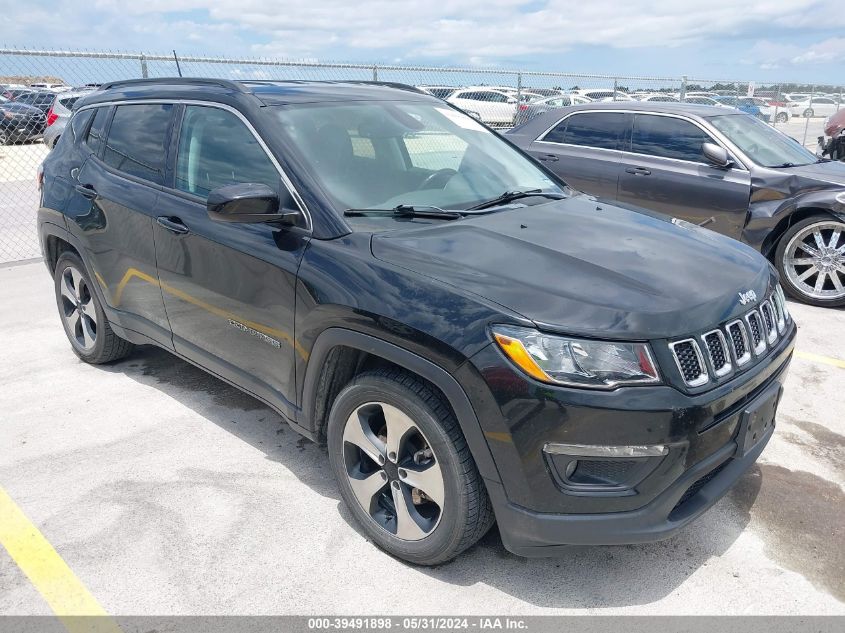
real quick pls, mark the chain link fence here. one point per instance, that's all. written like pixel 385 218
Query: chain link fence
pixel 499 97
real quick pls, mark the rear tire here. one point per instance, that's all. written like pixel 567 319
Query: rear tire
pixel 782 117
pixel 82 315
pixel 808 113
pixel 408 432
pixel 810 263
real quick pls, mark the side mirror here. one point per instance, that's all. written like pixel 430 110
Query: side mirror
pixel 247 203
pixel 717 155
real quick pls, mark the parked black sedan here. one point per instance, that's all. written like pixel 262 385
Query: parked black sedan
pixel 20 122
pixel 714 167
pixel 40 100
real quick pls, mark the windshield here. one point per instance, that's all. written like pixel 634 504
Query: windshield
pixel 761 142
pixel 378 155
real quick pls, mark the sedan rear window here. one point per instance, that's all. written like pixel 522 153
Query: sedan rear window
pixel 603 130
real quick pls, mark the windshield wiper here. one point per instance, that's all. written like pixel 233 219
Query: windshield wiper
pixel 407 211
pixel 510 196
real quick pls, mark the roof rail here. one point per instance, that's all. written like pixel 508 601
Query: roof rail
pixel 366 82
pixel 201 81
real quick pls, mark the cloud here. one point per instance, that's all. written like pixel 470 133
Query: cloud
pixel 777 55
pixel 461 29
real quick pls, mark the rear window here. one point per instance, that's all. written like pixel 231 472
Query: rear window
pixel 94 140
pixel 136 140
pixel 79 122
pixel 68 102
pixel 603 130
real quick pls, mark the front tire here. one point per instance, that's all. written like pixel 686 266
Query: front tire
pixel 808 113
pixel 810 257
pixel 404 468
pixel 83 318
pixel 782 117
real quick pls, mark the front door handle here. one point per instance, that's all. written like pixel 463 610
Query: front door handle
pixel 87 191
pixel 638 171
pixel 174 225
pixel 549 157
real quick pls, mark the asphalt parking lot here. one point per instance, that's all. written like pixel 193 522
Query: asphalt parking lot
pixel 167 491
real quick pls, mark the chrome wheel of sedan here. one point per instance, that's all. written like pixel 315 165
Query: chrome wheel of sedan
pixel 392 470
pixel 78 309
pixel 814 260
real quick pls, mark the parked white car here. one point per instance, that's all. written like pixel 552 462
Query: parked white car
pixel 660 97
pixel 496 107
pixel 817 106
pixel 51 87
pixel 441 92
pixel 600 94
pixel 702 100
pixel 772 113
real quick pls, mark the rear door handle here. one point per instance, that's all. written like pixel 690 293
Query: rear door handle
pixel 87 191
pixel 174 225
pixel 638 171
pixel 549 157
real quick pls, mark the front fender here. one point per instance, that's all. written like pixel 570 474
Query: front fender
pixel 771 212
pixel 451 388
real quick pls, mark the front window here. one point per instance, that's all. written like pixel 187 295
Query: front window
pixel 378 155
pixel 762 143
pixel 668 137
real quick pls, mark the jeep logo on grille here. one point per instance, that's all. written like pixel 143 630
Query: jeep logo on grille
pixel 747 297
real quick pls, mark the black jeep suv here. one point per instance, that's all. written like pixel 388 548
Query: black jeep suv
pixel 474 340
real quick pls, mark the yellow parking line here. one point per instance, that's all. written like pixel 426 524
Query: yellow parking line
pixel 818 358
pixel 49 574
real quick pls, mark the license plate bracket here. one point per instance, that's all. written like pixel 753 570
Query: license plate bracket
pixel 757 419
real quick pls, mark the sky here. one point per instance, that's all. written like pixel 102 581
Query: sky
pixel 768 40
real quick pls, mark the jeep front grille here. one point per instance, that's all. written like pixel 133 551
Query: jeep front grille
pixel 690 362
pixel 715 353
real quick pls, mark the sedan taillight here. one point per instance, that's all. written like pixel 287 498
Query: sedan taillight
pixel 52 117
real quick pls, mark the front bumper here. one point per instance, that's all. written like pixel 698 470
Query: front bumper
pixel 540 508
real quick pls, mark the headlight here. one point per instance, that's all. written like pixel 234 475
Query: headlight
pixel 577 362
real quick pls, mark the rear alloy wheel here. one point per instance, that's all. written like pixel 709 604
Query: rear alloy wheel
pixel 782 117
pixel 76 305
pixel 811 260
pixel 809 113
pixel 5 139
pixel 404 468
pixel 84 320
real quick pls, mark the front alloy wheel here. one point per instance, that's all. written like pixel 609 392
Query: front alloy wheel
pixel 404 468
pixel 813 261
pixel 393 471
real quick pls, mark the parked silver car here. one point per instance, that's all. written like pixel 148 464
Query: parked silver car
pixel 714 167
pixel 59 114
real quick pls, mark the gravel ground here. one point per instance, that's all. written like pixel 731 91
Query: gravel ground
pixel 167 491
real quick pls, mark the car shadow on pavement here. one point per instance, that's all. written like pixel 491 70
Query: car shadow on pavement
pixel 586 577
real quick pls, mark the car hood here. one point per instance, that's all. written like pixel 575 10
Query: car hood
pixel 586 267
pixel 832 172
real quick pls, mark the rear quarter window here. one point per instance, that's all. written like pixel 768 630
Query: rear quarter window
pixel 603 130
pixel 136 140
